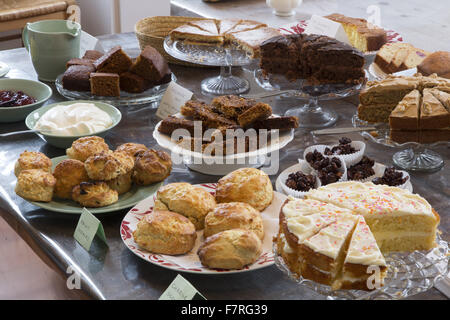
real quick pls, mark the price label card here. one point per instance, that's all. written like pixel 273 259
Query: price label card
pixel 181 289
pixel 174 97
pixel 326 27
pixel 89 42
pixel 87 228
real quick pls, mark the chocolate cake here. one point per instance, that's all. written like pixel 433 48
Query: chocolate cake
pixel 80 62
pixel 319 59
pixel 132 83
pixel 105 84
pixel 93 54
pixel 76 78
pixel 114 61
pixel 151 65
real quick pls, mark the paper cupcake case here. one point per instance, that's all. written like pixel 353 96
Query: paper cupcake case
pixel 319 147
pixel 303 167
pixel 342 169
pixel 353 158
pixel 379 170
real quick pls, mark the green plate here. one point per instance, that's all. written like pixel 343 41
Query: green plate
pixel 126 200
pixel 38 90
pixel 65 142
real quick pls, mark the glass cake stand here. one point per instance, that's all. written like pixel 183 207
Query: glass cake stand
pixel 414 156
pixel 311 114
pixel 407 274
pixel 224 57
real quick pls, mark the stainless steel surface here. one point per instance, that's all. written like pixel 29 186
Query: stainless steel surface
pixel 113 272
pixel 341 130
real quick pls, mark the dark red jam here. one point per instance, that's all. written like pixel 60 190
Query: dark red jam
pixel 14 99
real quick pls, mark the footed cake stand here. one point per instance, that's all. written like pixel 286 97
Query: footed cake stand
pixel 414 156
pixel 311 114
pixel 223 57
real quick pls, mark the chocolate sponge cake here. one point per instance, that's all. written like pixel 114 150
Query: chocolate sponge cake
pixel 151 65
pixel 76 78
pixel 319 59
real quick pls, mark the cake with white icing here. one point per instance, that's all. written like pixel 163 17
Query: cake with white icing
pixel 337 234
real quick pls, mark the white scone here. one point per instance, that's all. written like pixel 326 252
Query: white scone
pixel 192 202
pixel 165 232
pixel 247 185
pixel 94 194
pixel 151 166
pixel 35 185
pixel 233 215
pixel 68 174
pixel 85 147
pixel 230 249
pixel 32 160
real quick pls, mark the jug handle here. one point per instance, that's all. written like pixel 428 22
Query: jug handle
pixel 25 37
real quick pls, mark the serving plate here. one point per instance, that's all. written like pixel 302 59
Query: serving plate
pixel 126 200
pixel 190 262
pixel 221 165
pixel 153 94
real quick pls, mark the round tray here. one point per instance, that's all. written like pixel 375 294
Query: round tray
pixel 224 57
pixel 190 262
pixel 310 115
pixel 153 94
pixel 408 274
pixel 415 156
pixel 215 165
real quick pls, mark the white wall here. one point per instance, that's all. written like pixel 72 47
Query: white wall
pixel 133 10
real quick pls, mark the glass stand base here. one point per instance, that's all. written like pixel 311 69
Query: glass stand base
pixel 225 84
pixel 422 160
pixel 312 115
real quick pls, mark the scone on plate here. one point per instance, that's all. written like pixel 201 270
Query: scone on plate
pixel 94 194
pixel 68 174
pixel 32 160
pixel 85 147
pixel 35 185
pixel 165 232
pixel 151 166
pixel 132 149
pixel 192 202
pixel 233 215
pixel 247 185
pixel 122 183
pixel 107 165
pixel 230 249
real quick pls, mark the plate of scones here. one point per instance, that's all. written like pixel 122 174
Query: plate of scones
pixel 223 227
pixel 91 175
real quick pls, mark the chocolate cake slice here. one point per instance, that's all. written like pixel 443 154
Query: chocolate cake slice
pixel 151 65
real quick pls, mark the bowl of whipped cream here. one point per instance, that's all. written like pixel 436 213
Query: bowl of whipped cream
pixel 59 124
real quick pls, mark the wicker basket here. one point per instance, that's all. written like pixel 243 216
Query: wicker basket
pixel 153 30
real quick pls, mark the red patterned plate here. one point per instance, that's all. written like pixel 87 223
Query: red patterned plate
pixel 190 262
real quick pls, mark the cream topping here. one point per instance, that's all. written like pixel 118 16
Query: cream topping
pixel 363 248
pixel 369 199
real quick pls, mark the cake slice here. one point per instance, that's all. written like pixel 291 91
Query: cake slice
pixel 434 135
pixel 387 91
pixel 150 65
pixel 406 114
pixel 443 97
pixel 251 40
pixel 225 25
pixel 363 252
pixel 403 136
pixel 194 35
pixel 105 84
pixel 374 113
pixel 433 114
pixel 208 25
pixel 245 25
pixel 386 54
pixel 114 61
pixel 323 254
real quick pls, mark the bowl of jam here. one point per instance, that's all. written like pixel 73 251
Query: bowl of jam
pixel 19 97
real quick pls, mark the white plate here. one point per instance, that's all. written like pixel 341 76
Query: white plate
pixel 4 69
pixel 302 164
pixel 215 165
pixel 190 262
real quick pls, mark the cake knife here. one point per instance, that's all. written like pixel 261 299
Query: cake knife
pixel 341 130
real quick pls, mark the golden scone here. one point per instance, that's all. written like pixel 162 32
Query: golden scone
pixel 230 249
pixel 35 185
pixel 151 166
pixel 165 232
pixel 85 147
pixel 247 185
pixel 94 194
pixel 32 160
pixel 233 215
pixel 132 149
pixel 103 166
pixel 192 202
pixel 68 174
pixel 122 183
pixel 126 161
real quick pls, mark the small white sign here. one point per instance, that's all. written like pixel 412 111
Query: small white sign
pixel 181 289
pixel 326 27
pixel 89 42
pixel 172 101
